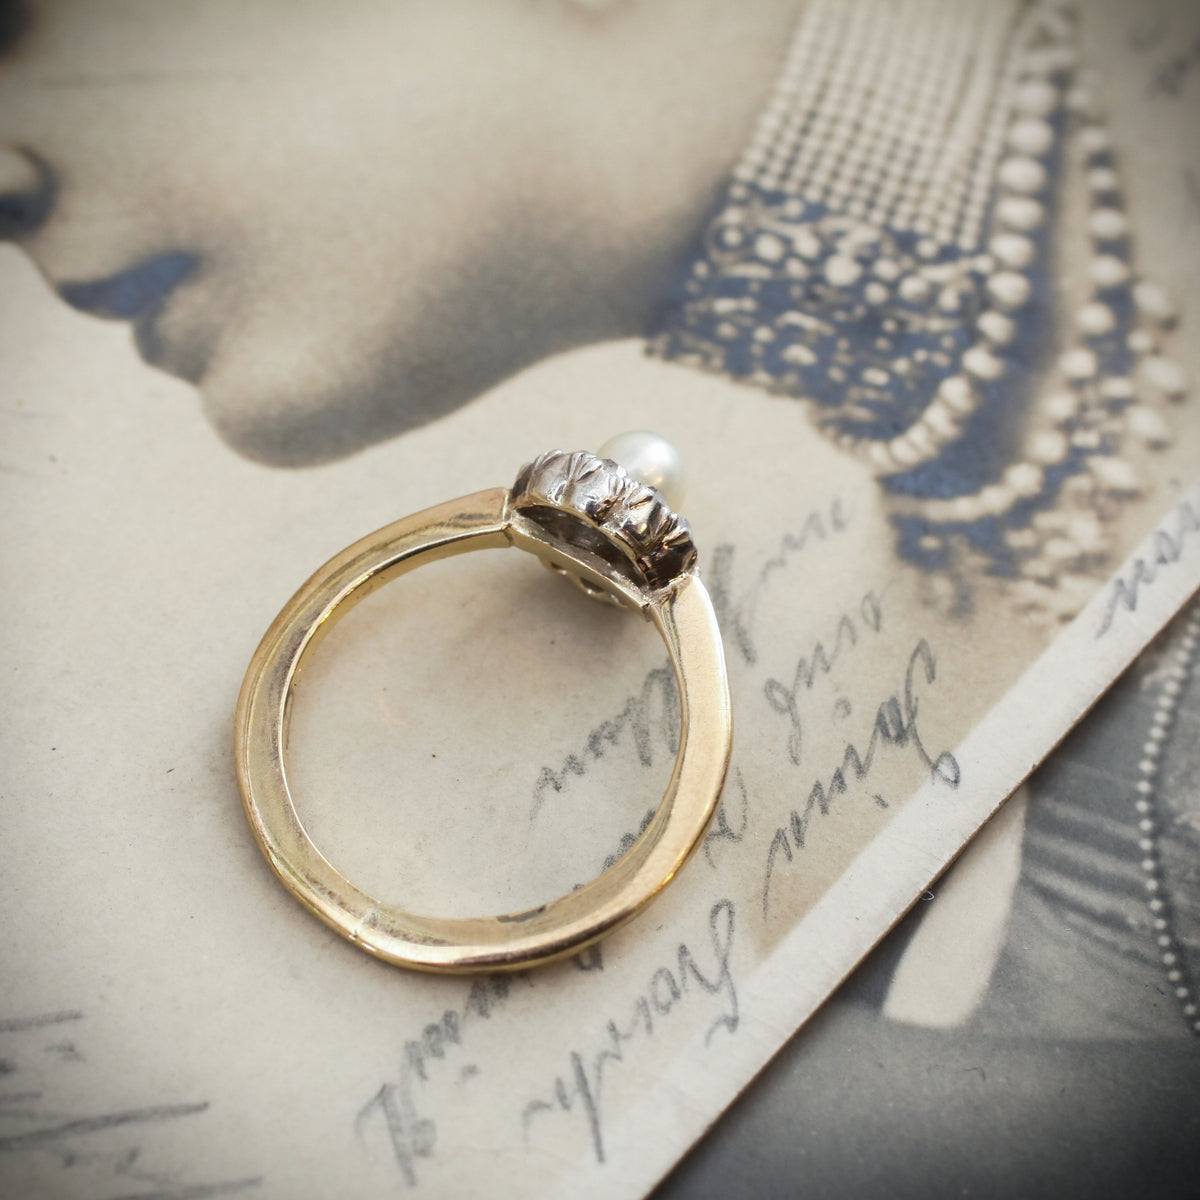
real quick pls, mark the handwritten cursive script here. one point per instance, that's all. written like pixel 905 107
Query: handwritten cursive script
pixel 580 1088
pixel 896 724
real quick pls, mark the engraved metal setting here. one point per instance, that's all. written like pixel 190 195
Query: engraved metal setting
pixel 591 503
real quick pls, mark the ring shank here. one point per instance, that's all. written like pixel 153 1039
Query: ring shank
pixel 685 620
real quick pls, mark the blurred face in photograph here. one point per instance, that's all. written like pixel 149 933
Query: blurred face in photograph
pixel 342 220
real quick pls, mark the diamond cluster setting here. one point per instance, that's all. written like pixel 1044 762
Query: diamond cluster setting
pixel 592 503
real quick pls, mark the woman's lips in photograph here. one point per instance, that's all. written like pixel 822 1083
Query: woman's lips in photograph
pixel 139 295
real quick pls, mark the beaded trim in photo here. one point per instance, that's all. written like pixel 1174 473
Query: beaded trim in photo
pixel 886 251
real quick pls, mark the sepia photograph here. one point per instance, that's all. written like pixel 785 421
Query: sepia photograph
pixel 850 344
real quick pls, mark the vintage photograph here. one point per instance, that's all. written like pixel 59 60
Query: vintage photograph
pixel 902 292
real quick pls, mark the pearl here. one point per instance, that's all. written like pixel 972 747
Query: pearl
pixel 1103 179
pixel 1141 341
pixel 769 248
pixel 914 288
pixel 1008 289
pixel 940 419
pixel 1020 174
pixel 1024 478
pixel 1096 319
pixel 996 327
pixel 1020 212
pixel 1117 390
pixel 1049 447
pixel 1166 375
pixel 904 452
pixel 1036 98
pixel 649 459
pixel 1061 407
pixel 1061 550
pixel 1107 224
pixel 807 244
pixel 923 438
pixel 996 498
pixel 1031 136
pixel 1094 140
pixel 979 362
pixel 1154 303
pixel 1085 531
pixel 1146 423
pixel 958 395
pixel 1108 271
pixel 1078 364
pixel 1115 474
pixel 842 271
pixel 1012 250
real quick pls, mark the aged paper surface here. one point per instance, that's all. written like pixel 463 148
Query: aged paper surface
pixel 480 739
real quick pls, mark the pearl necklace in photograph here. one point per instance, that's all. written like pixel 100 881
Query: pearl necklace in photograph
pixel 885 250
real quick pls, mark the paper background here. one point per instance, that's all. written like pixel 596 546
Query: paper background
pixel 164 989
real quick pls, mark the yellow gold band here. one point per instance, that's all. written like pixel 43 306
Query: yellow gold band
pixel 683 615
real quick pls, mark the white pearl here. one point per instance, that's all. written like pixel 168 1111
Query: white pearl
pixel 978 362
pixel 940 419
pixel 1141 341
pixel 1061 550
pixel 1086 531
pixel 1096 319
pixel 1036 98
pixel 996 498
pixel 1115 474
pixel 966 508
pixel 1024 478
pixel 1107 223
pixel 1020 174
pixel 1049 446
pixel 904 452
pixel 769 248
pixel 1012 250
pixel 1103 179
pixel 807 244
pixel 958 395
pixel 1117 388
pixel 649 459
pixel 1020 212
pixel 950 300
pixel 1031 136
pixel 1146 423
pixel 923 438
pixel 1166 375
pixel 1154 302
pixel 1008 289
pixel 1079 363
pixel 842 271
pixel 914 288
pixel 1061 407
pixel 1108 271
pixel 1094 140
pixel 996 327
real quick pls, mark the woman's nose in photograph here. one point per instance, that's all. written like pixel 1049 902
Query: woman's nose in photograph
pixel 26 192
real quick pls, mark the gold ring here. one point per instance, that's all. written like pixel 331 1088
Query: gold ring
pixel 619 540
